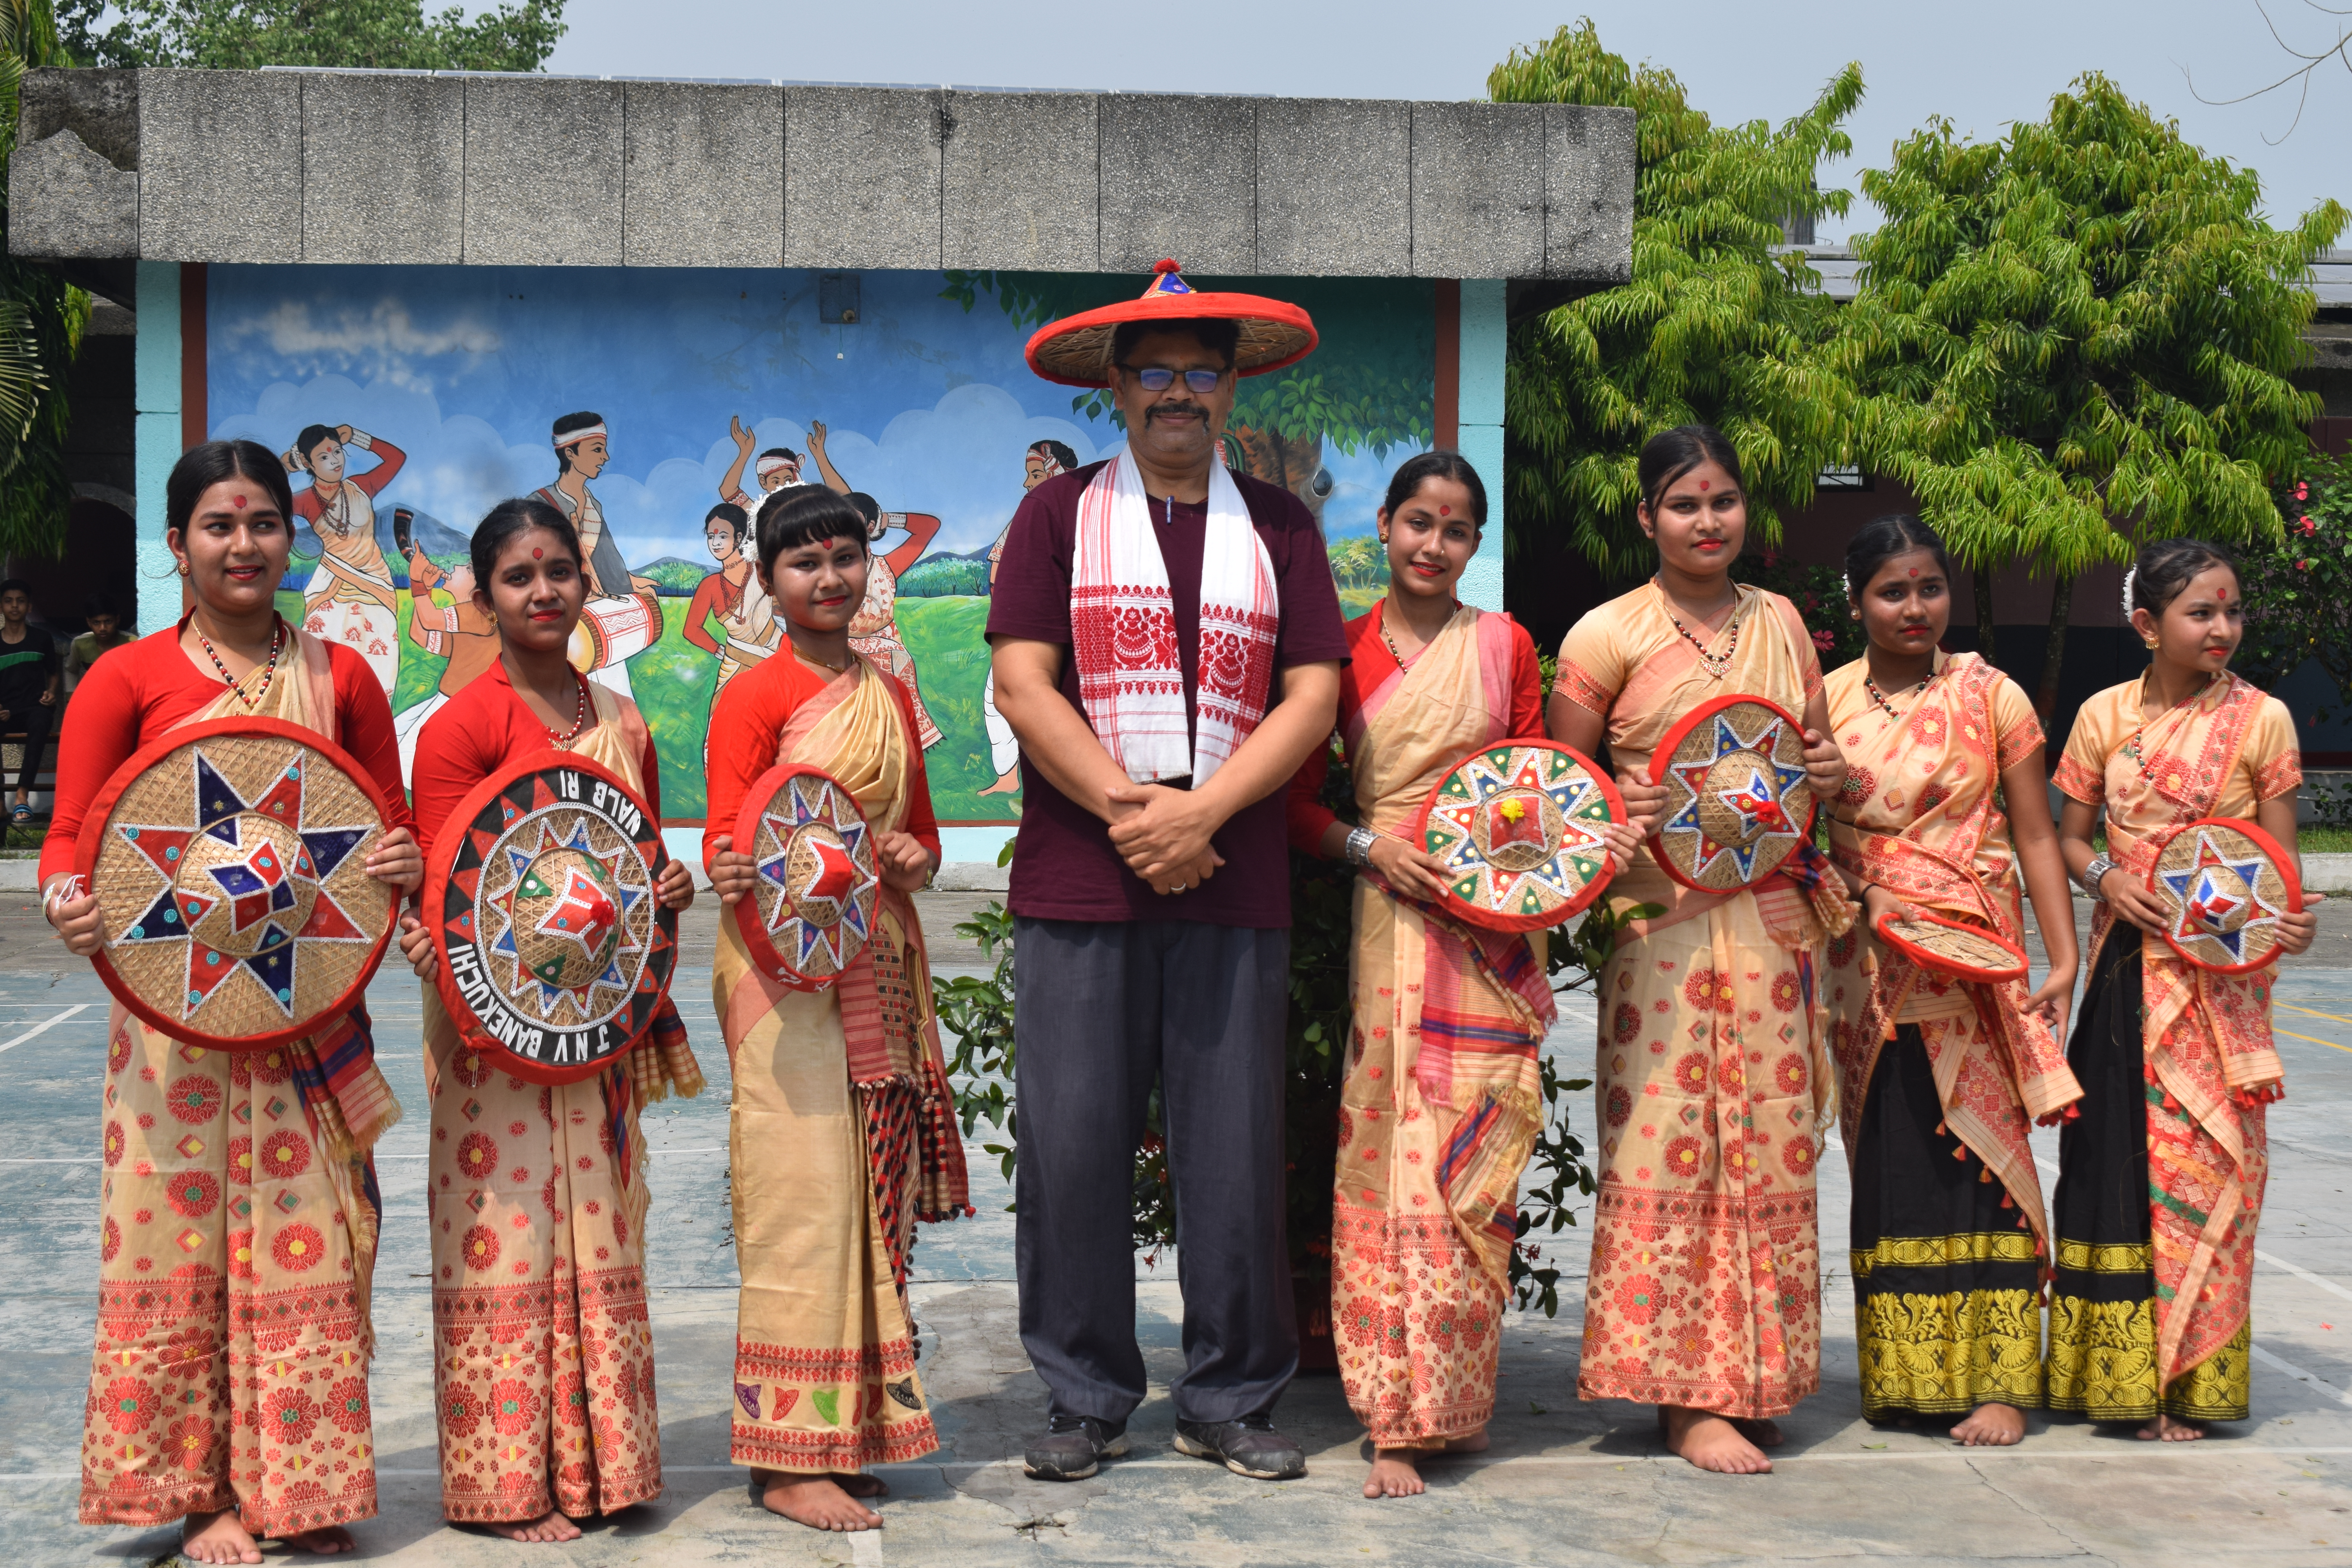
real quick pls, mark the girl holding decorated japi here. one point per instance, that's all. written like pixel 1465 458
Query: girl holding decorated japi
pixel 1945 811
pixel 536 1194
pixel 1441 1104
pixel 842 1130
pixel 238 1191
pixel 2160 1179
pixel 1715 1085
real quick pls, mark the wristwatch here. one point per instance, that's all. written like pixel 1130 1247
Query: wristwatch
pixel 1360 845
pixel 2095 873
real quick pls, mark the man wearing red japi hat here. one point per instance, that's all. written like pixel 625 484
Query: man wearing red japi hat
pixel 1167 650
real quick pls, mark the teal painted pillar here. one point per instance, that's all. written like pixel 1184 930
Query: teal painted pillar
pixel 156 436
pixel 1485 343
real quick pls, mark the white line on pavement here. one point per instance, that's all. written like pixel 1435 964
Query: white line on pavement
pixel 2306 1275
pixel 2296 1372
pixel 47 1024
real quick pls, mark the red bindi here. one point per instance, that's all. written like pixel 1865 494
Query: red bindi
pixel 537 554
pixel 237 502
pixel 1915 571
pixel 1445 512
pixel 2223 593
pixel 1702 484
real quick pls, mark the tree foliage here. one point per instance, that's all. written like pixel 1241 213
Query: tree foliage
pixel 242 35
pixel 2079 336
pixel 1713 326
pixel 41 322
pixel 2299 590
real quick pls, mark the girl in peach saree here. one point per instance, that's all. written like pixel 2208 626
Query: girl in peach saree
pixel 843 1129
pixel 2160 1181
pixel 1714 1083
pixel 1938 1078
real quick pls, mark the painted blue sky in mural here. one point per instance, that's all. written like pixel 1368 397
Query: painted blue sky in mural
pixel 927 407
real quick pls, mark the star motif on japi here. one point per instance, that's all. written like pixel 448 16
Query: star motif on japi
pixel 1743 775
pixel 2221 899
pixel 244 888
pixel 570 903
pixel 1518 829
pixel 824 836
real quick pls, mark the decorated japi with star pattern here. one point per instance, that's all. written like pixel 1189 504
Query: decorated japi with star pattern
pixel 1713 1080
pixel 1441 1102
pixel 1950 1235
pixel 536 1197
pixel 2151 1310
pixel 842 1133
pixel 237 1247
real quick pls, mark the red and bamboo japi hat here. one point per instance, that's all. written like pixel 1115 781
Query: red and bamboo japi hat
pixel 1076 350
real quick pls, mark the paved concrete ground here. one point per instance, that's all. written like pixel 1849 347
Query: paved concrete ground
pixel 1566 1483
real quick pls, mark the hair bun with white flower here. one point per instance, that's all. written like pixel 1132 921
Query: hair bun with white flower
pixel 2129 577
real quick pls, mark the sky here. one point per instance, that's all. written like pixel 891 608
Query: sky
pixel 1982 63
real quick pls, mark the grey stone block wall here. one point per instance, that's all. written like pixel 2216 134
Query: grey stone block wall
pixel 220 157
pixel 1018 180
pixel 491 170
pixel 861 178
pixel 377 151
pixel 705 175
pixel 542 172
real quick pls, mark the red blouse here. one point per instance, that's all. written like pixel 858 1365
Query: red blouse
pixel 744 726
pixel 1369 663
pixel 139 692
pixel 475 734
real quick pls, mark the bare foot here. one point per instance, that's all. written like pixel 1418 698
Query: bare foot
pixel 327 1540
pixel 217 1537
pixel 817 1502
pixel 1711 1443
pixel 2171 1429
pixel 1476 1443
pixel 1395 1473
pixel 549 1526
pixel 861 1485
pixel 1009 783
pixel 1991 1425
pixel 1764 1433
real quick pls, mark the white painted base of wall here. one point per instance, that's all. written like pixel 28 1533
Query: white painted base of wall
pixel 2330 874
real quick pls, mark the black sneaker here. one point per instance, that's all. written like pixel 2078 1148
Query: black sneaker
pixel 1071 1447
pixel 1249 1446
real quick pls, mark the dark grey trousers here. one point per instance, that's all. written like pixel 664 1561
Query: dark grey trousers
pixel 1099 1011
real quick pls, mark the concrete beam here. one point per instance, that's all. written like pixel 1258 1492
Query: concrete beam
pixel 542 172
pixel 705 181
pixel 501 170
pixel 377 150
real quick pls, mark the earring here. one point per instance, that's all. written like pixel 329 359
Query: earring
pixel 184 572
pixel 1852 614
pixel 2151 643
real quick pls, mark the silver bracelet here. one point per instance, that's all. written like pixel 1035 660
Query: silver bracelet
pixel 2095 873
pixel 1360 845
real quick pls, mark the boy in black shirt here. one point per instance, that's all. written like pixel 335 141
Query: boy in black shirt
pixel 28 687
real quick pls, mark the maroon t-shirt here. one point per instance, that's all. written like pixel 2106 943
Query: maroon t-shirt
pixel 1064 868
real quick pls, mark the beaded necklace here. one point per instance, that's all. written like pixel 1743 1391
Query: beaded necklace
pixel 268 672
pixel 579 716
pixel 2131 747
pixel 1870 685
pixel 1716 666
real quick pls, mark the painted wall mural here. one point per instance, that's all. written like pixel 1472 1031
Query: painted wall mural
pixel 656 407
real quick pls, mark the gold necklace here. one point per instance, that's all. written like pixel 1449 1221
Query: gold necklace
pixel 1393 652
pixel 807 657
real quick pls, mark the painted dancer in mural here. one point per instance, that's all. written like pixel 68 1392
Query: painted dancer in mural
pixel 1442 1100
pixel 1151 889
pixel 778 467
pixel 240 1210
pixel 1715 1079
pixel 623 616
pixel 462 631
pixel 536 1197
pixel 844 1126
pixel 733 597
pixel 875 633
pixel 2160 1180
pixel 1041 461
pixel 350 599
pixel 1939 1080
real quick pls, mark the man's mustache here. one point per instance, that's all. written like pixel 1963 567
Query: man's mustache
pixel 1161 410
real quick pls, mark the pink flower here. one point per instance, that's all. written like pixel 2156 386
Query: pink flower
pixel 2302 490
pixel 2310 527
pixel 1824 641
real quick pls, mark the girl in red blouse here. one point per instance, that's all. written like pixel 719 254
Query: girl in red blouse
pixel 537 1213
pixel 843 1131
pixel 229 1203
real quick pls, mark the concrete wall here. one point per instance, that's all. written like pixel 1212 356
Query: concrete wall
pixel 487 169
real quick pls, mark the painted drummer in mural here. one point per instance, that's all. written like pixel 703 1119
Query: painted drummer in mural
pixel 1714 1071
pixel 875 633
pixel 461 631
pixel 1441 1105
pixel 350 599
pixel 1041 462
pixel 536 1194
pixel 843 1130
pixel 238 1190
pixel 623 616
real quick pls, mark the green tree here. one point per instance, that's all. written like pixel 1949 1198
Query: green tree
pixel 2078 337
pixel 1715 326
pixel 242 35
pixel 2299 591
pixel 41 322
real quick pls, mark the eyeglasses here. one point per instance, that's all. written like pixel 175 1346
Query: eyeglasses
pixel 1160 378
